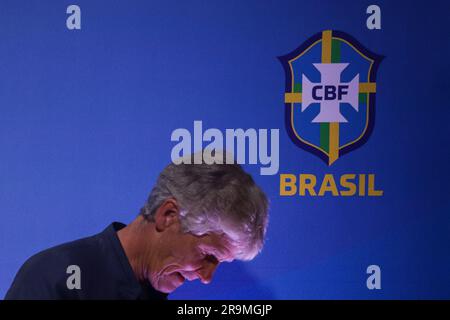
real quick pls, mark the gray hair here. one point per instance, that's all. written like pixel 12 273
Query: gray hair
pixel 214 198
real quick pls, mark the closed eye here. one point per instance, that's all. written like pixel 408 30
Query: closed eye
pixel 212 258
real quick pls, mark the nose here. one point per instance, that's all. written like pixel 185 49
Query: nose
pixel 206 272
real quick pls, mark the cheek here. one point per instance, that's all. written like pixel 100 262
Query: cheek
pixel 191 262
pixel 187 255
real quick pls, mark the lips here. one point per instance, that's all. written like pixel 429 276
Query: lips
pixel 189 275
pixel 180 277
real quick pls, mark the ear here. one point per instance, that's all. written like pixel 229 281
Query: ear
pixel 167 214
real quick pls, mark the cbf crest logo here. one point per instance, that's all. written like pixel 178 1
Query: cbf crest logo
pixel 330 94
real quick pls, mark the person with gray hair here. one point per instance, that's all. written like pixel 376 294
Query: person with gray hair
pixel 196 216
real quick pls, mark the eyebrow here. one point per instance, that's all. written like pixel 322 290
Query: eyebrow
pixel 217 253
pixel 223 254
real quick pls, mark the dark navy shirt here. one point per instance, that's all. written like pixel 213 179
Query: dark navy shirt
pixel 105 272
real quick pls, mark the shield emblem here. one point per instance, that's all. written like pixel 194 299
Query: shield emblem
pixel 330 94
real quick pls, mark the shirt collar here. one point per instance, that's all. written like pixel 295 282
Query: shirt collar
pixel 131 287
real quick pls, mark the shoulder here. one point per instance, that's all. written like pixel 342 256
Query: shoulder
pixel 44 275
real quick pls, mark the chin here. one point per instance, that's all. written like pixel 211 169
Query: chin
pixel 169 283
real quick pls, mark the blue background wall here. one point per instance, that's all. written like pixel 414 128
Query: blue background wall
pixel 86 118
